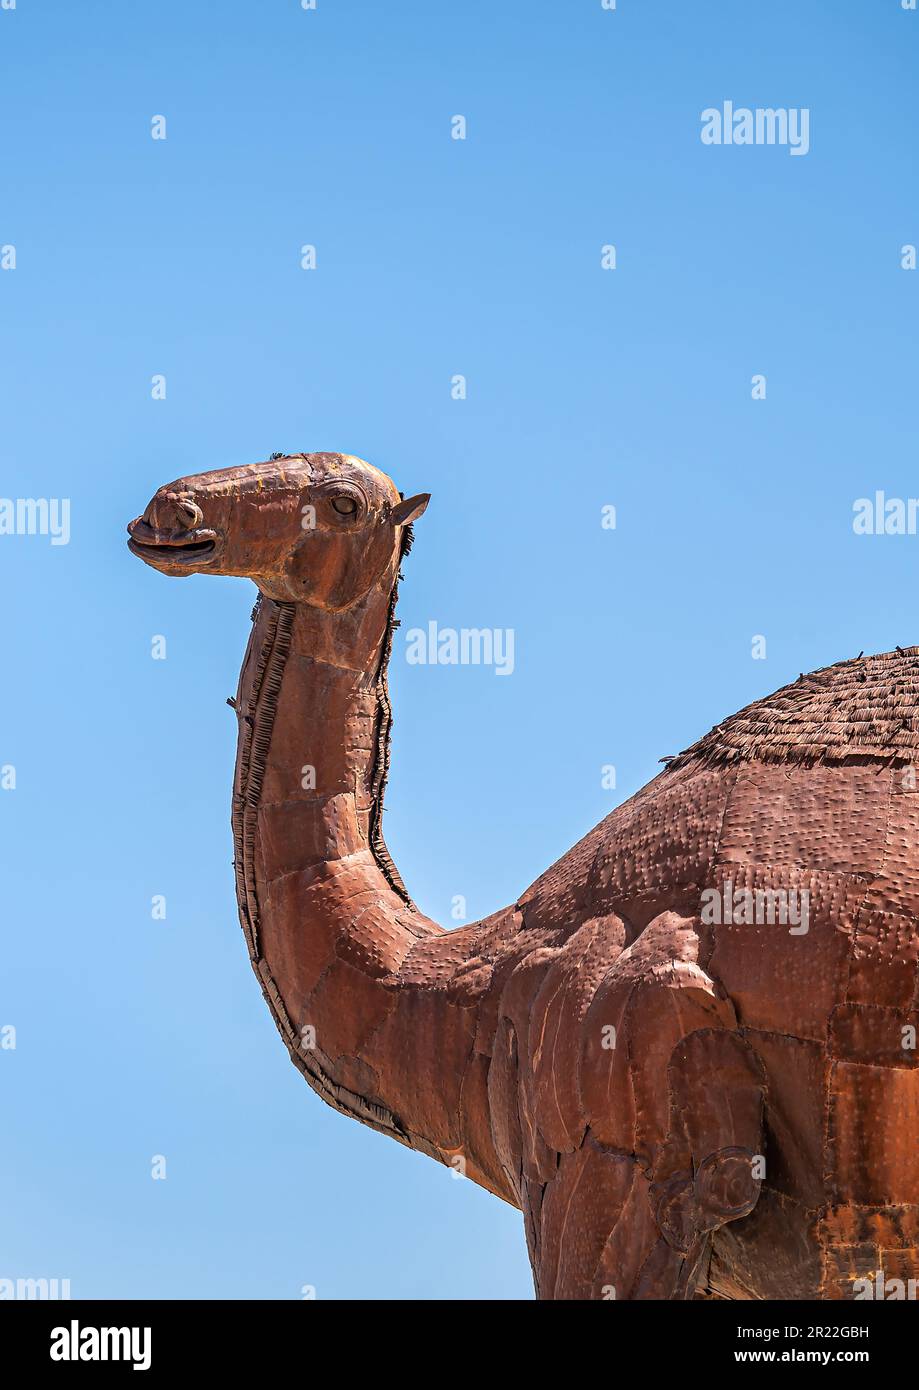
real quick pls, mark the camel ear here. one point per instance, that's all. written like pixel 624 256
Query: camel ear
pixel 409 509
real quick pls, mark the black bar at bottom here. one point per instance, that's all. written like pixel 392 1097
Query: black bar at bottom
pixel 108 1338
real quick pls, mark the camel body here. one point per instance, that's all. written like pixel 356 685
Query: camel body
pixel 687 1092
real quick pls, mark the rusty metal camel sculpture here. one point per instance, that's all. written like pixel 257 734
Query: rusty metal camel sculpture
pixel 687 1052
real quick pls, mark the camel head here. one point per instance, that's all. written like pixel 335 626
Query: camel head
pixel 321 529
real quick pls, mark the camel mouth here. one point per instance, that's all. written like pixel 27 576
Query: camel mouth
pixel 169 550
pixel 195 548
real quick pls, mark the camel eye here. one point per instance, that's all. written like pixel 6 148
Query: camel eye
pixel 345 506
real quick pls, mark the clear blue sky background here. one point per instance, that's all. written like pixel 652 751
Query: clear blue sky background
pixel 585 387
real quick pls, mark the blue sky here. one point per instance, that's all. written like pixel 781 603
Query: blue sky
pixel 585 388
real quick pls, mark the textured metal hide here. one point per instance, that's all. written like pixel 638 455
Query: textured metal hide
pixel 687 1052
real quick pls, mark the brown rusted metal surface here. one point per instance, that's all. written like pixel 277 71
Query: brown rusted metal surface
pixel 687 1051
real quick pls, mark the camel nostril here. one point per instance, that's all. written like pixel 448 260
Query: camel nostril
pixel 192 512
pixel 172 514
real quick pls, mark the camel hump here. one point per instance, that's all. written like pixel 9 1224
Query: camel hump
pixel 866 709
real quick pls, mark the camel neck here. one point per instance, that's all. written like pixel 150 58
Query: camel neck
pixel 313 748
pixel 313 878
pixel 343 957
